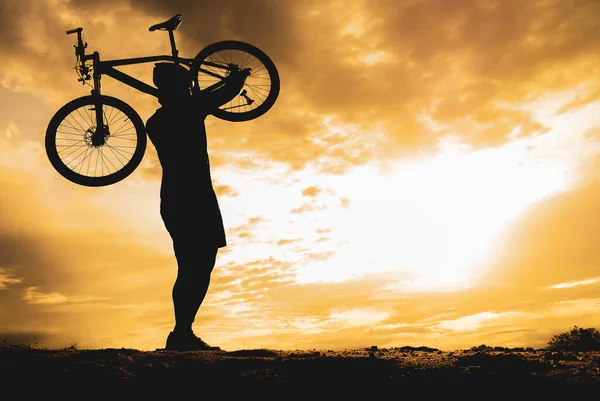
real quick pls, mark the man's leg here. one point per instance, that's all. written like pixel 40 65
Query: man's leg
pixel 194 267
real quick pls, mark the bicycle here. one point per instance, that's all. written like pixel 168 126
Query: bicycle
pixel 99 140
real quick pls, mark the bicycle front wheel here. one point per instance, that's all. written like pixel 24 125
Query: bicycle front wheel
pixel 213 63
pixel 78 156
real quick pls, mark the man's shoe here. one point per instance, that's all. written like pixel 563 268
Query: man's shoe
pixel 187 342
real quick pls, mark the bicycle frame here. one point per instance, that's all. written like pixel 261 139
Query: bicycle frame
pixel 107 67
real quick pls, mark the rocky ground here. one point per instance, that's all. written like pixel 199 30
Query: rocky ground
pixel 359 373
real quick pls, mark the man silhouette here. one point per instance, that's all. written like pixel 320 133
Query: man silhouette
pixel 188 203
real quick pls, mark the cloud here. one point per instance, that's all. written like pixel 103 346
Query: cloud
pixel 574 283
pixel 454 62
pixel 555 241
pixel 225 190
pixel 474 322
pixel 307 207
pixel 311 191
pixel 7 278
pixel 360 317
pixel 33 296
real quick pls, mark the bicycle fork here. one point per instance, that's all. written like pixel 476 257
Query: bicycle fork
pixel 101 133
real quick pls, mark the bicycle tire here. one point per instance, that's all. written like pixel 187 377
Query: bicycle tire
pixel 267 103
pixel 68 144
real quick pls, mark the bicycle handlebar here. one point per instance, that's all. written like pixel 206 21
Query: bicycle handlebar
pixel 80 46
pixel 76 30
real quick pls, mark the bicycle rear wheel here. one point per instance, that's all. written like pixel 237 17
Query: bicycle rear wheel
pixel 261 89
pixel 73 154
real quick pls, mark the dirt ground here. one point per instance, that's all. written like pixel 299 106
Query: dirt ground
pixel 480 372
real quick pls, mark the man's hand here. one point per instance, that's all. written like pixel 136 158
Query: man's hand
pixel 237 74
pixel 231 87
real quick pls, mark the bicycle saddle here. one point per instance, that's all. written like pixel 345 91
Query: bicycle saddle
pixel 169 25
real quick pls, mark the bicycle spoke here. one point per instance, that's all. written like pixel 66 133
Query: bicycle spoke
pixel 120 129
pixel 130 136
pixel 259 88
pixel 122 138
pixel 257 95
pixel 88 166
pixel 75 148
pixel 82 117
pixel 69 136
pixel 215 64
pixel 77 122
pixel 110 115
pixel 121 149
pixel 119 154
pixel 243 63
pixel 91 117
pixel 96 165
pixel 68 125
pixel 72 151
pixel 223 58
pixel 109 121
pixel 83 160
pixel 100 157
pixel 107 160
pixel 67 139
pixel 257 66
pixel 118 116
pixel 77 157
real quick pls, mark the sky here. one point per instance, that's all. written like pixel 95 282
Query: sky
pixel 428 176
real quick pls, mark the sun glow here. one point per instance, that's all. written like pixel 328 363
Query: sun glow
pixel 439 217
pixel 432 221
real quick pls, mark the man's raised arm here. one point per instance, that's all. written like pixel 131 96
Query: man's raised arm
pixel 230 87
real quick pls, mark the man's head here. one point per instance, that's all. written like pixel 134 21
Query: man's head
pixel 172 80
